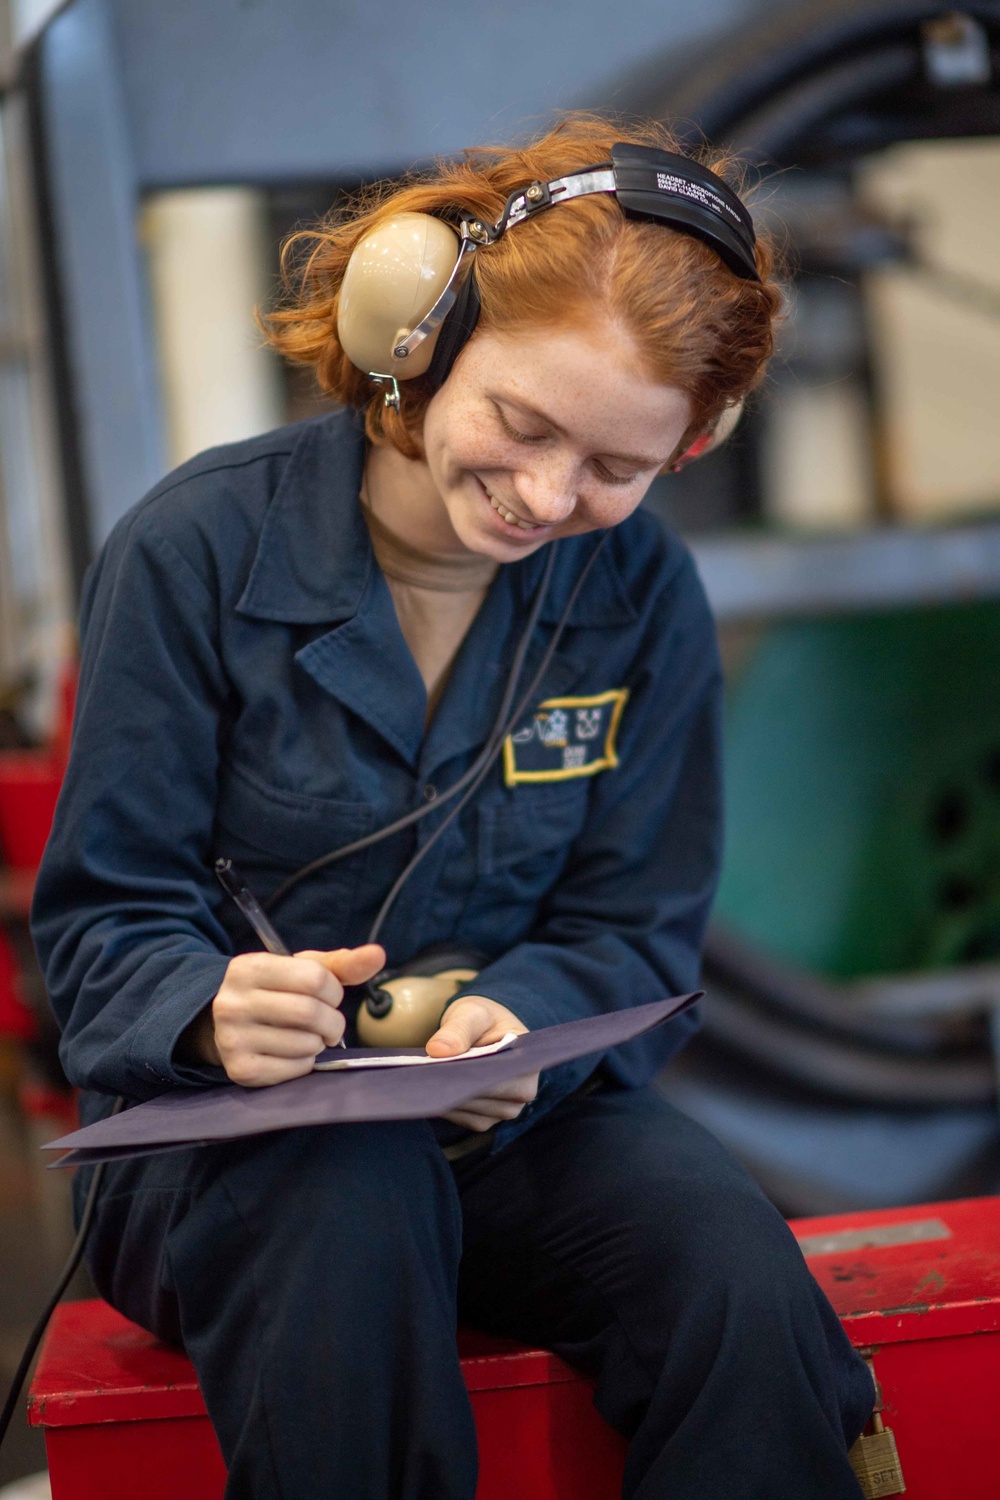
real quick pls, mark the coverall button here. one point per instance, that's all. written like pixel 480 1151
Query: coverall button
pixel 430 792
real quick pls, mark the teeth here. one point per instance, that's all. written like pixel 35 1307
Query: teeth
pixel 509 516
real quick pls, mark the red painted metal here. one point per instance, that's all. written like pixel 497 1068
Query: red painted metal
pixel 175 1460
pixel 930 1289
pixel 39 1101
pixel 30 782
pixel 124 1419
pixel 29 786
pixel 17 1023
pixel 930 1313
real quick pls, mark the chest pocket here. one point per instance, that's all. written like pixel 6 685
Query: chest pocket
pixel 524 841
pixel 269 833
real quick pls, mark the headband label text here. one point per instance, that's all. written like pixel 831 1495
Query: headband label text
pixel 668 183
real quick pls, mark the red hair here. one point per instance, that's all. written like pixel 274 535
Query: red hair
pixel 697 326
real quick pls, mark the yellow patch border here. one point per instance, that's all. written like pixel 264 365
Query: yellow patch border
pixel 618 696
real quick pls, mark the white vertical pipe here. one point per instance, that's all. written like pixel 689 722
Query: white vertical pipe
pixel 208 259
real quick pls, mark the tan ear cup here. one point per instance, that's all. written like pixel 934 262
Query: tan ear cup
pixel 393 279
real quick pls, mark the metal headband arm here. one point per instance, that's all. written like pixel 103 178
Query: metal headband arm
pixel 445 302
pixel 475 233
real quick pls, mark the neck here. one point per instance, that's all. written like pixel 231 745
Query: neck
pixel 402 495
pixel 411 534
pixel 441 572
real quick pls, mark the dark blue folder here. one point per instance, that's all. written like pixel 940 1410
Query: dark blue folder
pixel 188 1117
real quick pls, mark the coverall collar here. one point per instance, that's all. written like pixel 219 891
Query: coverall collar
pixel 314 555
pixel 315 565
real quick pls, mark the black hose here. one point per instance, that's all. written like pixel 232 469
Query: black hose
pixel 909 1040
pixel 715 90
pixel 838 1066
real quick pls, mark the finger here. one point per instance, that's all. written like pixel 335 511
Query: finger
pixel 277 1041
pixel 478 1123
pixel 310 976
pixel 302 973
pixel 497 1109
pixel 521 1089
pixel 254 1072
pixel 352 965
pixel 465 1024
pixel 280 1008
pixel 485 1118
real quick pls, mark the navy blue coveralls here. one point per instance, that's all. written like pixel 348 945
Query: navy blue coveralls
pixel 246 691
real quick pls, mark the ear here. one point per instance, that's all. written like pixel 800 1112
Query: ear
pixel 709 441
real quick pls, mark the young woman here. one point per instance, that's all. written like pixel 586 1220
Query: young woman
pixel 293 642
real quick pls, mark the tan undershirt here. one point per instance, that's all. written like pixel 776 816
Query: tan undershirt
pixel 436 599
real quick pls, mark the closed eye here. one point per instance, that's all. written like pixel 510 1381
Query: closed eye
pixel 605 475
pixel 515 433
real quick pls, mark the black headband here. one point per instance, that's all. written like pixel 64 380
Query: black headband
pixel 673 190
pixel 660 187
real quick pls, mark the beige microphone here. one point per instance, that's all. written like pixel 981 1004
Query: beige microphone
pixel 418 1002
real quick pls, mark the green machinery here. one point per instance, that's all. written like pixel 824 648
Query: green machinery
pixel 863 774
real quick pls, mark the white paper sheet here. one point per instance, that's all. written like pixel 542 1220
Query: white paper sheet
pixel 402 1057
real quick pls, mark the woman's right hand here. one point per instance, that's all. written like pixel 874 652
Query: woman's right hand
pixel 272 1015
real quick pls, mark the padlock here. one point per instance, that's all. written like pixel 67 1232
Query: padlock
pixel 874 1458
pixel 876 1463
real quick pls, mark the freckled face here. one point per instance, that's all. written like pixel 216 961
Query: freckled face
pixel 537 435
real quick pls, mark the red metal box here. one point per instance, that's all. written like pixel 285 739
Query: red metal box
pixel 920 1288
pixel 124 1418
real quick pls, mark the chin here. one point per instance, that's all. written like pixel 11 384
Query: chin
pixel 474 526
pixel 481 541
pixel 508 553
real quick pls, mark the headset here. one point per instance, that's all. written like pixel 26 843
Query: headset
pixel 409 301
pixel 408 305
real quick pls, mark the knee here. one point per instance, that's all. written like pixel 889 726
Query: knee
pixel 752 1262
pixel 758 1252
pixel 723 1261
pixel 749 1300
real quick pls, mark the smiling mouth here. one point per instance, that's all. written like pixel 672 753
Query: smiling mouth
pixel 508 515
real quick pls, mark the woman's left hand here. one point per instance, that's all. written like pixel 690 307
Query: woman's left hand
pixel 475 1021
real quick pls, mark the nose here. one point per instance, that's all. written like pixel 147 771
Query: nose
pixel 547 491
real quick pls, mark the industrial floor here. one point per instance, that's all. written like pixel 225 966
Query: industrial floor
pixel 35 1234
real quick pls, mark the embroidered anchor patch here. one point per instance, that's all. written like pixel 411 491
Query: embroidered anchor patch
pixel 565 737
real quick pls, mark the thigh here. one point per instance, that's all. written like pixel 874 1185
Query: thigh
pixel 313 1209
pixel 310 1275
pixel 139 1203
pixel 621 1234
pixel 619 1197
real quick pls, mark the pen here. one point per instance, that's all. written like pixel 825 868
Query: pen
pixel 235 886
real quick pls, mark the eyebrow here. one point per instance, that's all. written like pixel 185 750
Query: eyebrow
pixel 641 461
